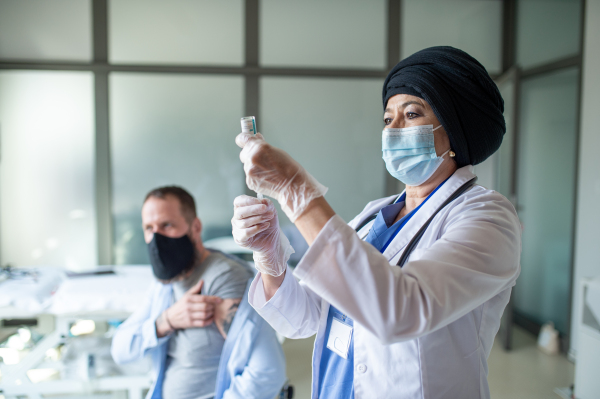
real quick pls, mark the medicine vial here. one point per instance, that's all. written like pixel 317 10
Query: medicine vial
pixel 249 126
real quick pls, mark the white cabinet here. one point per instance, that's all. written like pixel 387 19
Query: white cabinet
pixel 587 368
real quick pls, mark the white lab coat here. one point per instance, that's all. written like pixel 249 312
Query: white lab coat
pixel 422 331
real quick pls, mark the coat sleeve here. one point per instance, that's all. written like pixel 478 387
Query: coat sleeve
pixel 264 374
pixel 475 257
pixel 294 311
pixel 137 335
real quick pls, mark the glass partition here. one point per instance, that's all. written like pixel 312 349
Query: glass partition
pixel 472 26
pixel 56 30
pixel 333 128
pixel 547 30
pixel 495 172
pixel 313 33
pixel 505 155
pixel 47 169
pixel 546 187
pixel 173 129
pixel 176 32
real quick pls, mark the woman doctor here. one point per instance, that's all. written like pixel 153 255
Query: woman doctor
pixel 406 298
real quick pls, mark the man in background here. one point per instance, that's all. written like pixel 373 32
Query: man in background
pixel 195 312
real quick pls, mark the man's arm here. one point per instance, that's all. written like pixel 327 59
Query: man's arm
pixel 224 314
pixel 191 310
pixel 137 335
pixel 163 325
pixel 140 332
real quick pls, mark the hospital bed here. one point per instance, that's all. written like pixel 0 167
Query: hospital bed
pixel 50 303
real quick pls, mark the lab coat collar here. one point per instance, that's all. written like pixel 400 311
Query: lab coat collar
pixel 461 176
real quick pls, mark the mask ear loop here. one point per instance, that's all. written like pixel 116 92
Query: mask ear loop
pixel 449 152
pixel 442 156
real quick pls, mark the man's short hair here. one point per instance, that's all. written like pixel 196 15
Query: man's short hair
pixel 186 201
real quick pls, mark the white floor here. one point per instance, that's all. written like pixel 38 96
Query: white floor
pixel 524 372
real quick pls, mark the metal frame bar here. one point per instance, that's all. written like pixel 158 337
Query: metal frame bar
pixel 511 74
pixel 515 159
pixel 252 56
pixel 251 95
pixel 509 34
pixel 509 51
pixel 553 66
pixel 394 20
pixel 104 225
pixel 197 69
pixel 566 341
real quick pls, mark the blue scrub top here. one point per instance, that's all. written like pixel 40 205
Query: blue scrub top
pixel 336 374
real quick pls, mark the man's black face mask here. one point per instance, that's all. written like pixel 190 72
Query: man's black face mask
pixel 170 256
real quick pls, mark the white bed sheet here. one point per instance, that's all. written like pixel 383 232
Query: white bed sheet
pixel 120 292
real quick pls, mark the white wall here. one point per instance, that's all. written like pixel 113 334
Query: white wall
pixel 587 245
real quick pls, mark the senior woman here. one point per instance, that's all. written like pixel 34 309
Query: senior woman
pixel 406 298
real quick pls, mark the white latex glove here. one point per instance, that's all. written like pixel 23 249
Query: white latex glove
pixel 271 171
pixel 255 226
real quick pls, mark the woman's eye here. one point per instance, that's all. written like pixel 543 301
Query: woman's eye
pixel 387 121
pixel 411 115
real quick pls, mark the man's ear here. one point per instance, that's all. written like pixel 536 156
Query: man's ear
pixel 197 228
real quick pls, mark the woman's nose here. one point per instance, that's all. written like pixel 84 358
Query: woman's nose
pixel 397 123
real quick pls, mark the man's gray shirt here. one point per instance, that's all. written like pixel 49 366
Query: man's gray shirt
pixel 194 353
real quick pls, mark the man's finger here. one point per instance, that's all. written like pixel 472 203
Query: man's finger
pixel 201 315
pixel 200 307
pixel 202 323
pixel 196 289
pixel 205 298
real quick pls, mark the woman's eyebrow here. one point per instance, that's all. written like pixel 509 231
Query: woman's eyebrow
pixel 406 104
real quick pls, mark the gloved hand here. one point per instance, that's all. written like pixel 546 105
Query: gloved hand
pixel 271 171
pixel 255 226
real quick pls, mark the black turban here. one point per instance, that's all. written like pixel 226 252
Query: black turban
pixel 462 95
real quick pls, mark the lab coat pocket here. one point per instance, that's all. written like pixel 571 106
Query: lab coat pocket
pixel 464 336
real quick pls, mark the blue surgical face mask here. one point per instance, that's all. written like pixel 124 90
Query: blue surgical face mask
pixel 409 153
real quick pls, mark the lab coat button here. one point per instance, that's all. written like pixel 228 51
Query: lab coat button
pixel 361 368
